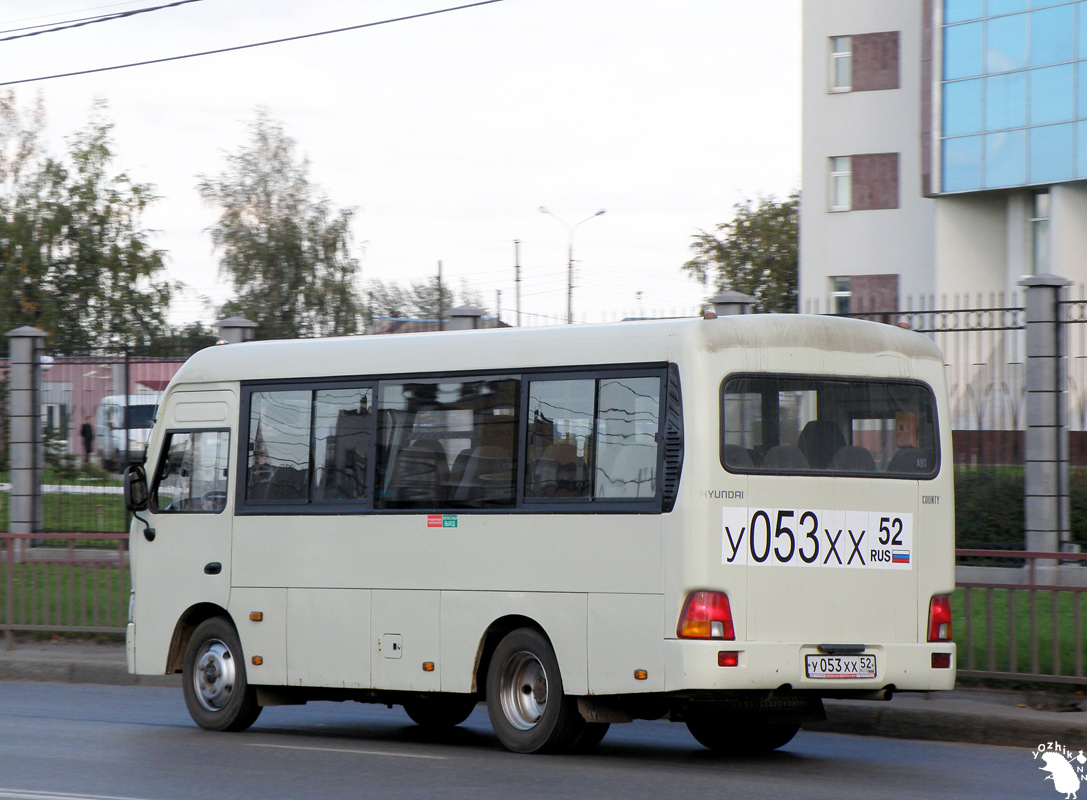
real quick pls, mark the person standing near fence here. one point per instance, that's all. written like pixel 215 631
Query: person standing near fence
pixel 86 431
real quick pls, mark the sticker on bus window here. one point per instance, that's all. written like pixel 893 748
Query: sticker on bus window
pixel 797 537
pixel 441 520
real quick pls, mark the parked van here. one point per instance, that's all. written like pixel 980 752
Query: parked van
pixel 120 438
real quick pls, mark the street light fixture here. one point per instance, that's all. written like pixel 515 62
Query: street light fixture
pixel 570 258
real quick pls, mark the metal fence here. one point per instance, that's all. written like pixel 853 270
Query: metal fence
pixel 1030 629
pixel 55 583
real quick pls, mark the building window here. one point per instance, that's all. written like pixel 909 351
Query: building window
pixel 841 63
pixel 840 295
pixel 1039 231
pixel 841 183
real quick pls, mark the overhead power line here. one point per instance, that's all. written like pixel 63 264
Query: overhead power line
pixel 252 45
pixel 79 23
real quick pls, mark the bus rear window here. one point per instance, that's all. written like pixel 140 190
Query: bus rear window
pixel 788 425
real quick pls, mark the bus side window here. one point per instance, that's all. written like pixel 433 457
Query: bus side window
pixel 192 473
pixel 627 423
pixel 560 425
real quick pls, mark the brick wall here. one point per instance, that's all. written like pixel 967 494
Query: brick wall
pixel 875 181
pixel 875 61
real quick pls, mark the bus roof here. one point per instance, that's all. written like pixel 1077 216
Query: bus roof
pixel 523 348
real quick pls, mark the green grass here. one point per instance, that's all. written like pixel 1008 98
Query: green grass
pixel 76 513
pixel 992 607
pixel 66 595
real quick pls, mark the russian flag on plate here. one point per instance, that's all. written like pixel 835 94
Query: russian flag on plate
pixel 900 556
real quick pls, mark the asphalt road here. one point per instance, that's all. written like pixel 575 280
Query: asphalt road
pixel 81 741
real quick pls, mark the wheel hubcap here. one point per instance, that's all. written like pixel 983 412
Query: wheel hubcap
pixel 214 675
pixel 523 691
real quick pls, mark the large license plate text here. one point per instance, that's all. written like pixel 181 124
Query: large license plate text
pixel 798 537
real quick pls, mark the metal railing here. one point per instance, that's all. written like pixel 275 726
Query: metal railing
pixel 1031 629
pixel 1025 624
pixel 63 583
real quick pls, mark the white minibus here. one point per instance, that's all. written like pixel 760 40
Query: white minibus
pixel 715 521
pixel 123 427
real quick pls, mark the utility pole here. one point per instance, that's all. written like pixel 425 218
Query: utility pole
pixel 517 276
pixel 570 258
pixel 441 300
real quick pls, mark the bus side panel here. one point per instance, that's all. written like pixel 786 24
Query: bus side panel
pixel 266 638
pixel 625 638
pixel 466 616
pixel 328 638
pixel 406 635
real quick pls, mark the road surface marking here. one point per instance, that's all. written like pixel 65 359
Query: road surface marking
pixel 347 750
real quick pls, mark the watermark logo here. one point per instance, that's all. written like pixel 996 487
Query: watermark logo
pixel 1066 769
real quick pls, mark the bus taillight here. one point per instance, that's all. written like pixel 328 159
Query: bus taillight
pixel 939 619
pixel 706 615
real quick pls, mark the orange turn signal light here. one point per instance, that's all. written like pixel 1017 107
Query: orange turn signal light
pixel 257 660
pixel 256 616
pixel 428 666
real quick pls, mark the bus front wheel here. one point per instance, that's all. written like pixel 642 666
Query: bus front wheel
pixel 528 709
pixel 217 694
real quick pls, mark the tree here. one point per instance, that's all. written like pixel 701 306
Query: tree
pixel 419 301
pixel 284 247
pixel 74 259
pixel 755 253
pixel 106 275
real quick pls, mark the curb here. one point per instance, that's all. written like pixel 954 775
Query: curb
pixel 989 724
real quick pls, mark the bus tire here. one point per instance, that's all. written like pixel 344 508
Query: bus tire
pixel 217 693
pixel 529 711
pixel 744 736
pixel 440 710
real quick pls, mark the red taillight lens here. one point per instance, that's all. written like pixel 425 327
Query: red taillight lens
pixel 706 615
pixel 939 619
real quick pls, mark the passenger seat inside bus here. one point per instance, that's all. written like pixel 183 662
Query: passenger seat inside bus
pixel 785 458
pixel 852 458
pixel 911 460
pixel 819 441
pixel 420 474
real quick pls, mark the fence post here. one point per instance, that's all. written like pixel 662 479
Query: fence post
pixel 25 442
pixel 235 330
pixel 1046 508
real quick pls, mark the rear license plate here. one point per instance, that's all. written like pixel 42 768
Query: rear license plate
pixel 860 666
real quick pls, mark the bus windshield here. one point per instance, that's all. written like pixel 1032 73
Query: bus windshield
pixel 798 425
pixel 141 416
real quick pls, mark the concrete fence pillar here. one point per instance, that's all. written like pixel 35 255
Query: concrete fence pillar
pixel 465 318
pixel 235 330
pixel 728 304
pixel 1046 510
pixel 25 445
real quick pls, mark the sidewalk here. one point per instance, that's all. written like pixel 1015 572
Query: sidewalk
pixel 977 716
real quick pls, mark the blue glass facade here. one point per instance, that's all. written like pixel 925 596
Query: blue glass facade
pixel 1014 100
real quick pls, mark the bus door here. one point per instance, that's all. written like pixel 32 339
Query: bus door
pixel 189 531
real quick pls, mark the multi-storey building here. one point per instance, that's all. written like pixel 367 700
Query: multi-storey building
pixel 944 148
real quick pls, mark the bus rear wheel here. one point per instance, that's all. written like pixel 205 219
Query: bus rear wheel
pixel 440 710
pixel 529 711
pixel 217 694
pixel 742 736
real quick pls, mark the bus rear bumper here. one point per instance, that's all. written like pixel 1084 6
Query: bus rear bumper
pixel 724 665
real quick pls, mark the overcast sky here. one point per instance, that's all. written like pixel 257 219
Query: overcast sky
pixel 447 133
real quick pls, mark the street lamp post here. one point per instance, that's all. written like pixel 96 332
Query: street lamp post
pixel 570 258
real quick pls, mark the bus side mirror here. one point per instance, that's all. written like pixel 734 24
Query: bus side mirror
pixel 135 488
